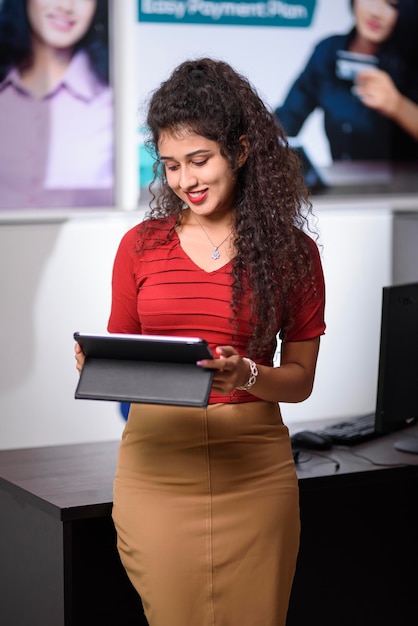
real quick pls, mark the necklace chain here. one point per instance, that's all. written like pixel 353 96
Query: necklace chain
pixel 215 252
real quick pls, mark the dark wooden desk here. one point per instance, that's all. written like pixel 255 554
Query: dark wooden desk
pixel 59 564
pixel 358 560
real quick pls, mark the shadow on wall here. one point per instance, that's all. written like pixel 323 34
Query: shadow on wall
pixel 20 278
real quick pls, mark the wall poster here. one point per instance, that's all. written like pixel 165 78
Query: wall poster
pixel 56 105
pixel 331 71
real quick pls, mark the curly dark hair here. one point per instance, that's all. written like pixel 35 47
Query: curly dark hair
pixel 211 99
pixel 15 38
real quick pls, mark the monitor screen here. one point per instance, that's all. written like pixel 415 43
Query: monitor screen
pixel 397 390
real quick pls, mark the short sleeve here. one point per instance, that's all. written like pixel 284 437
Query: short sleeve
pixel 308 304
pixel 123 314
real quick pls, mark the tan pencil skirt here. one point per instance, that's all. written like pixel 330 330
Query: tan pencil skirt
pixel 206 509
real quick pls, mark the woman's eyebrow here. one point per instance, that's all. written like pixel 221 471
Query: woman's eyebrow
pixel 189 154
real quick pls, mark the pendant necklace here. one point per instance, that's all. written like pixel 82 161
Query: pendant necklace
pixel 215 252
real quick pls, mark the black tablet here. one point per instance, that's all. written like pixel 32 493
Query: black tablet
pixel 162 348
pixel 149 369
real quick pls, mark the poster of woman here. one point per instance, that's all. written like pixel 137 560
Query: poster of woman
pixel 342 76
pixel 365 82
pixel 56 105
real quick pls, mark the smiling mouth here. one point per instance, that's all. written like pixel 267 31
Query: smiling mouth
pixel 196 196
pixel 60 22
pixel 374 26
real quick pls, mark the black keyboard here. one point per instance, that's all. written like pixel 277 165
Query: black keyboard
pixel 352 431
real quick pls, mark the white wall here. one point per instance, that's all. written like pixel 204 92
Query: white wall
pixel 55 279
pixel 357 261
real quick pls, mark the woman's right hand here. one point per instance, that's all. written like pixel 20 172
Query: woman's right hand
pixel 376 90
pixel 79 357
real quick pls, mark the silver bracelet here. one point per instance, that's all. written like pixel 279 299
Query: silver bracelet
pixel 253 375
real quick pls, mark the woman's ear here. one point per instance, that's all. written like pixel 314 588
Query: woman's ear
pixel 244 150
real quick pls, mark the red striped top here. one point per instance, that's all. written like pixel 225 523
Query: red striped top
pixel 161 291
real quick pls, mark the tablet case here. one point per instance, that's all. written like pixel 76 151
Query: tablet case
pixel 130 368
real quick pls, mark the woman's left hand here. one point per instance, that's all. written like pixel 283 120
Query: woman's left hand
pixel 79 357
pixel 292 381
pixel 231 370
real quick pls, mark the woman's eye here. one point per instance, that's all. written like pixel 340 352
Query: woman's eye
pixel 199 163
pixel 171 168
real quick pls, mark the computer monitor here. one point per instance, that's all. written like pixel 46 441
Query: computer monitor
pixel 311 175
pixel 397 389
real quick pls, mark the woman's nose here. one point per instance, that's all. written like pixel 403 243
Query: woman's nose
pixel 376 7
pixel 65 5
pixel 188 179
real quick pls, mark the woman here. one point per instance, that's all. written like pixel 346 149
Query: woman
pixel 55 104
pixel 206 500
pixel 372 114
